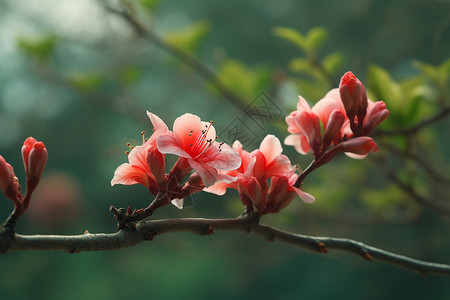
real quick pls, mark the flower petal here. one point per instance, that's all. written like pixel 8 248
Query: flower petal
pixel 271 148
pixel 168 144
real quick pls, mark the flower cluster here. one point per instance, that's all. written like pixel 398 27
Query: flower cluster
pixel 195 143
pixel 257 169
pixel 265 179
pixel 34 155
pixel 347 117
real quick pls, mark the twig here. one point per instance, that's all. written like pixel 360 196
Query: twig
pixel 420 160
pixel 184 56
pixel 416 127
pixel 147 230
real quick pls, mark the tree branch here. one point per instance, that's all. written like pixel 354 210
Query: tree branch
pixel 184 56
pixel 147 230
pixel 416 127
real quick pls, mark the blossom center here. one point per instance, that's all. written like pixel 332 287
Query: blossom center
pixel 197 145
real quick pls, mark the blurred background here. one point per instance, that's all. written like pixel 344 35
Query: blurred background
pixel 77 76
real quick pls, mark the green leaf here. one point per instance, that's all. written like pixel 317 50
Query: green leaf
pixel 85 81
pixel 292 36
pixel 189 38
pixel 244 81
pixel 333 63
pixel 300 65
pixel 149 5
pixel 40 47
pixel 315 38
pixel 130 75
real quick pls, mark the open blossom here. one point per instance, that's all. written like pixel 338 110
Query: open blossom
pixel 146 164
pixel 192 140
pixel 195 141
pixel 344 113
pixel 253 175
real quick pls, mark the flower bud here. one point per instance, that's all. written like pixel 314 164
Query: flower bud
pixel 334 127
pixel 34 156
pixel 360 145
pixel 354 97
pixel 6 174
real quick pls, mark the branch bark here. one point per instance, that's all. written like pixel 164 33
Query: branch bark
pixel 147 230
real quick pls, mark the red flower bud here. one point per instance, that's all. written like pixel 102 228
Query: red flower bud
pixel 354 97
pixel 9 184
pixel 34 156
pixel 6 174
pixel 360 145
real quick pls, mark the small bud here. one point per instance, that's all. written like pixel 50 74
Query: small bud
pixel 6 174
pixel 34 156
pixel 360 145
pixel 334 127
pixel 354 97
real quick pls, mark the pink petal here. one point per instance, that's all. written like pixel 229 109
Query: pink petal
pixel 307 198
pixel 157 123
pixel 299 142
pixel 129 174
pixel 186 128
pixel 303 105
pixel 168 144
pixel 271 148
pixel 279 167
pixel 219 188
pixel 226 159
pixel 209 174
pixel 138 156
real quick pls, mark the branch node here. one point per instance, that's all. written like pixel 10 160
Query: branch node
pixel 209 230
pixel 322 248
pixel 367 256
pixel 150 236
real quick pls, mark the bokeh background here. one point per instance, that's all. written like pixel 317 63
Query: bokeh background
pixel 77 77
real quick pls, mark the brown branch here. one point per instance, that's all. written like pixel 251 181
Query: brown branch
pixel 147 230
pixel 416 127
pixel 184 56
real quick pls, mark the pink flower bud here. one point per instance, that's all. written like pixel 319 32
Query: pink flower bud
pixel 280 195
pixel 309 124
pixel 334 127
pixel 376 114
pixel 34 156
pixel 6 174
pixel 354 97
pixel 9 184
pixel 360 145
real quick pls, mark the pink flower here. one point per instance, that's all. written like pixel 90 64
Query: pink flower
pixel 256 169
pixel 146 164
pixel 194 141
pixel 345 113
pixel 304 124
